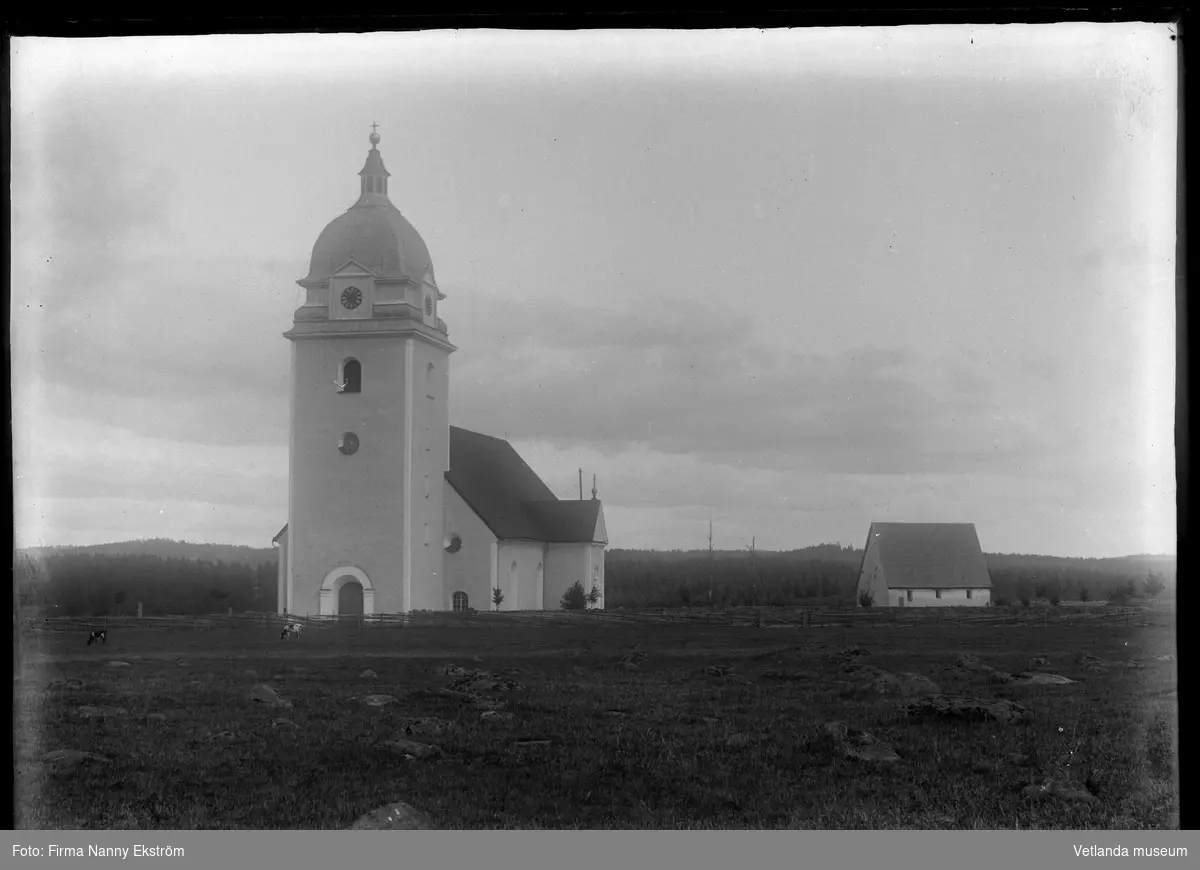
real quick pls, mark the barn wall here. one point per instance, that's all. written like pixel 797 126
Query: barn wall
pixel 872 577
pixel 950 598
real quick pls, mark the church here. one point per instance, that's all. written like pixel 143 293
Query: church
pixel 390 508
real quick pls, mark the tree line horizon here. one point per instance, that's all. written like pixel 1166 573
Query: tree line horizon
pixel 104 581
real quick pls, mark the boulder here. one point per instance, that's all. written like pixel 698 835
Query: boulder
pixel 368 674
pixel 412 747
pixel 70 683
pixel 854 744
pixel 966 709
pixel 394 817
pixel 1061 789
pixel 89 712
pixel 790 676
pixel 425 725
pixel 1027 679
pixel 379 700
pixel 66 757
pixel 883 682
pixel 264 694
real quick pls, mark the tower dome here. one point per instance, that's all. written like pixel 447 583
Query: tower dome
pixel 372 233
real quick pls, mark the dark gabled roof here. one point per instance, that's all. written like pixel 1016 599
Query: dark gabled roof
pixel 930 555
pixel 563 521
pixel 509 497
pixel 282 532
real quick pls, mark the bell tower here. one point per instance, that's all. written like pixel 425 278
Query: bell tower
pixel 369 417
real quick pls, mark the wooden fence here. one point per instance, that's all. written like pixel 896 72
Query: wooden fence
pixel 1156 613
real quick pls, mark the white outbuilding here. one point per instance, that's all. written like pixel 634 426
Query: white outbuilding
pixel 924 565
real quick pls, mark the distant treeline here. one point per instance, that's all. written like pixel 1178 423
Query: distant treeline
pixel 85 584
pixel 113 580
pixel 828 575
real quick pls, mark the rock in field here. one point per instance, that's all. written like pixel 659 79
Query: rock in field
pixel 496 716
pixel 1027 679
pixel 1067 791
pixel 118 664
pixel 70 683
pixel 426 725
pixel 394 817
pixel 968 709
pixel 73 756
pixel 412 747
pixel 89 712
pixel 968 662
pixel 855 744
pixel 264 694
pixel 855 652
pixel 886 683
pixel 368 674
pixel 379 700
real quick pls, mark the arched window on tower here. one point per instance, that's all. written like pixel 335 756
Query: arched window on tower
pixel 351 376
pixel 429 381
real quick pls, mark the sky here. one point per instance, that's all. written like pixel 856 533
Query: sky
pixel 790 281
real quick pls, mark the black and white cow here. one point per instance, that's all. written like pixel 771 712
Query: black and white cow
pixel 292 629
pixel 100 635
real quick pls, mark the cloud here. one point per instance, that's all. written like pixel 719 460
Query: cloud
pixel 686 377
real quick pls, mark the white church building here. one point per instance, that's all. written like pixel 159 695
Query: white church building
pixel 390 508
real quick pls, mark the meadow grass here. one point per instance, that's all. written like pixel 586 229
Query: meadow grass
pixel 660 744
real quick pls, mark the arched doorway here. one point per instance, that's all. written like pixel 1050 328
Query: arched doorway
pixel 349 597
pixel 459 602
pixel 347 591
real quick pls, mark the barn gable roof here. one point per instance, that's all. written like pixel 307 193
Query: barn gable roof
pixel 509 497
pixel 930 555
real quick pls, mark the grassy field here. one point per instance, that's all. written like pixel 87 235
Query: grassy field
pixel 600 725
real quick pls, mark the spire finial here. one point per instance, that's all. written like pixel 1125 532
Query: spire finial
pixel 593 487
pixel 374 137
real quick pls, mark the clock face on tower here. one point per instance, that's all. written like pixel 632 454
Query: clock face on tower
pixel 348 444
pixel 351 297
